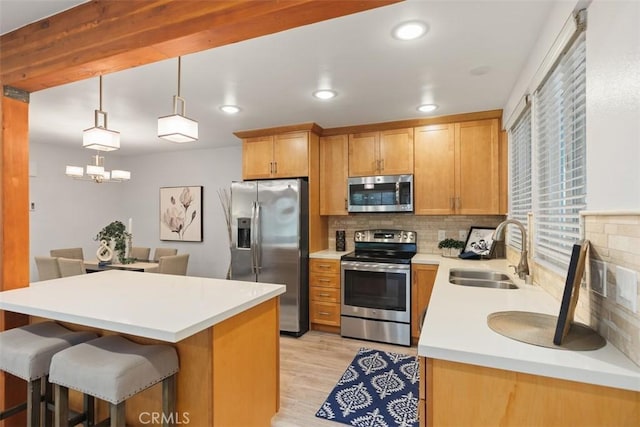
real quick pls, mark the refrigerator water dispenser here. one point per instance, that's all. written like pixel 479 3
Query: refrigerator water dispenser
pixel 244 233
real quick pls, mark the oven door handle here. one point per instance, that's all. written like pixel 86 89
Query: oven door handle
pixel 375 266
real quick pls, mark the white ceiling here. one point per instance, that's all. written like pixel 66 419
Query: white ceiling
pixel 271 78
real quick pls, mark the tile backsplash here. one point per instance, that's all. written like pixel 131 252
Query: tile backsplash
pixel 426 227
pixel 614 239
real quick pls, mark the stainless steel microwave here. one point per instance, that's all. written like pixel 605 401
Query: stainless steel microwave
pixel 385 193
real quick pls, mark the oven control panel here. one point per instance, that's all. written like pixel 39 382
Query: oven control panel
pixel 385 236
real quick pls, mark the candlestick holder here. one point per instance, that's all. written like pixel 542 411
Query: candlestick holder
pixel 129 244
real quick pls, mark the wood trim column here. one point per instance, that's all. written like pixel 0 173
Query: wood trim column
pixel 14 214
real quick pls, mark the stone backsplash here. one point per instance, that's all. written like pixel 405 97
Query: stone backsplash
pixel 426 227
pixel 615 239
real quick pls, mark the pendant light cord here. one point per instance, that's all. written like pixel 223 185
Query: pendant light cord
pixel 179 72
pixel 101 92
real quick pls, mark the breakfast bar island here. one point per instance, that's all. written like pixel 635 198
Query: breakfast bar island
pixel 226 334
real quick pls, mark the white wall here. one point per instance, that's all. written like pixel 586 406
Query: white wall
pixel 69 213
pixel 613 105
pixel 613 97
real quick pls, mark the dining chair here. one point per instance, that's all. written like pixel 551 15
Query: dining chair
pixel 140 253
pixel 174 264
pixel 160 252
pixel 71 267
pixel 72 253
pixel 47 268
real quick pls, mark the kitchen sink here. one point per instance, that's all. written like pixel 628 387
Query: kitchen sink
pixel 480 278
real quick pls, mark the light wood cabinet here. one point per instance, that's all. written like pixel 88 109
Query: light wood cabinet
pixel 449 396
pixel 423 277
pixel 388 152
pixel 324 293
pixel 334 172
pixel 457 169
pixel 276 156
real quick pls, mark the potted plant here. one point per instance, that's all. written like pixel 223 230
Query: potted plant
pixel 451 247
pixel 117 232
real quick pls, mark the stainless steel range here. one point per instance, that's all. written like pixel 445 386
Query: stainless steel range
pixel 376 286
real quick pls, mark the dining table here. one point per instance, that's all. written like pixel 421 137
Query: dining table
pixel 93 266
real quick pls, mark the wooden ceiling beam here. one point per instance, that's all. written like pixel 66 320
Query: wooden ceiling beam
pixel 105 36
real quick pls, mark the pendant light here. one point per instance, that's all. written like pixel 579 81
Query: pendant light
pixel 177 127
pixel 100 137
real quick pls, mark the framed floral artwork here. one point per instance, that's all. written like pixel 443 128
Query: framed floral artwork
pixel 181 214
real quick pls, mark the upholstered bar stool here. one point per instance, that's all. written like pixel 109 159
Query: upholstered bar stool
pixel 112 368
pixel 26 352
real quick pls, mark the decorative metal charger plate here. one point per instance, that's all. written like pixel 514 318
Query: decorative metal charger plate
pixel 378 389
pixel 539 329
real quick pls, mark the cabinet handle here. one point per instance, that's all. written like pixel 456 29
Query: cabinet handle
pixel 452 202
pixel 275 167
pixel 323 295
pixel 458 202
pixel 345 204
pixel 324 313
pixel 324 280
pixel 381 165
pixel 271 167
pixel 324 266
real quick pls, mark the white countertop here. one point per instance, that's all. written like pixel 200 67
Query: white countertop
pixel 455 329
pixel 327 254
pixel 158 306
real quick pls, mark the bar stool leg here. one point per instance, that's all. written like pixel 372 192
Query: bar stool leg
pixel 89 410
pixel 117 413
pixel 169 401
pixel 34 401
pixel 48 399
pixel 61 396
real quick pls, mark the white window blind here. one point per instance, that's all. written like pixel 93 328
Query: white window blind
pixel 560 134
pixel 520 174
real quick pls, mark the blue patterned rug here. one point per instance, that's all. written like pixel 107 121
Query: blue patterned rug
pixel 378 389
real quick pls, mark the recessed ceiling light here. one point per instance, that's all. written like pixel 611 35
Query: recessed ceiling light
pixel 410 30
pixel 427 108
pixel 325 94
pixel 230 109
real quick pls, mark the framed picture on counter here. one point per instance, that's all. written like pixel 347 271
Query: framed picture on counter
pixel 479 241
pixel 181 214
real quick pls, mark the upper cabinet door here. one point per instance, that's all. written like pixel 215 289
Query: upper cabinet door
pixel 257 157
pixel 334 172
pixel 396 152
pixel 291 155
pixel 434 176
pixel 477 169
pixel 363 154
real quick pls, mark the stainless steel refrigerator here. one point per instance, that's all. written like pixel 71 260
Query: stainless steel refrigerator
pixel 271 243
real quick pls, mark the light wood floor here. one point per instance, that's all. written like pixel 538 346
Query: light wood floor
pixel 310 366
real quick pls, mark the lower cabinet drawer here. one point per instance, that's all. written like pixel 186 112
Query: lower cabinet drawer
pixel 325 313
pixel 324 294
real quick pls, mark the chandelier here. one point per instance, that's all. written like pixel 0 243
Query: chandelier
pixel 95 172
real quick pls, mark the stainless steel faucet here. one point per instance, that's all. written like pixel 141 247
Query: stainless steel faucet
pixel 522 269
